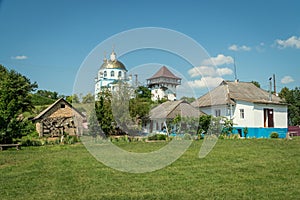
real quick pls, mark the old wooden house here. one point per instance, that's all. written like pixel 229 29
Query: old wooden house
pixel 58 119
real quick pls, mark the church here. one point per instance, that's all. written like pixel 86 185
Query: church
pixel 111 72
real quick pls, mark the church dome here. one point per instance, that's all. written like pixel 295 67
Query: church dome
pixel 113 63
pixel 108 64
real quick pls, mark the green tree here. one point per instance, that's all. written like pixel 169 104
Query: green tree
pixel 256 83
pixel 143 92
pixel 15 99
pixel 104 112
pixel 292 98
pixel 88 98
pixel 48 94
pixel 73 98
pixel 204 123
pixel 139 107
pixel 188 99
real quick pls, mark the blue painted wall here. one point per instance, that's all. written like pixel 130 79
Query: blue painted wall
pixel 261 132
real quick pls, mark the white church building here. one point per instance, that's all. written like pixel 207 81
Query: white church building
pixel 110 73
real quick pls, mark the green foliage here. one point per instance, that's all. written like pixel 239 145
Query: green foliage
pixel 73 98
pixel 15 99
pixel 39 100
pixel 188 99
pixel 104 112
pixel 256 83
pixel 187 136
pixel 274 135
pixel 157 137
pixel 88 98
pixel 204 123
pixel 245 132
pixel 48 94
pixel 143 92
pixel 227 126
pixel 292 98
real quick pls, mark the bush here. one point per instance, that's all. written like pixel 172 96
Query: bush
pixel 274 135
pixel 157 137
pixel 187 136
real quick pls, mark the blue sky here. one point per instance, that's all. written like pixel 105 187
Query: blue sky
pixel 48 40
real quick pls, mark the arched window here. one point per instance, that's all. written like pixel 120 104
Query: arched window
pixel 104 73
pixel 112 73
pixel 119 74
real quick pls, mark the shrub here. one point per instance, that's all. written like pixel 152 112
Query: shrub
pixel 187 136
pixel 157 137
pixel 274 135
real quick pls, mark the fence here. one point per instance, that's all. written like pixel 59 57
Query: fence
pixel 294 130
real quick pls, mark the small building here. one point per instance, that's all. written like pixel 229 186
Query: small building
pixel 163 85
pixel 59 118
pixel 167 111
pixel 248 106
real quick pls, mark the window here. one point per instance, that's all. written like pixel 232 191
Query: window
pixel 119 74
pixel 242 113
pixel 112 73
pixel 218 113
pixel 62 105
pixel 105 74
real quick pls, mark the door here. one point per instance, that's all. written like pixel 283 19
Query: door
pixel 268 117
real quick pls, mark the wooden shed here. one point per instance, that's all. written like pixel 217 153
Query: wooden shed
pixel 59 118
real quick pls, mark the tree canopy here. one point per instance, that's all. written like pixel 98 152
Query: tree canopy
pixel 15 98
pixel 292 98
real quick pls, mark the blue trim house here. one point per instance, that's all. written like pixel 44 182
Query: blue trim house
pixel 248 106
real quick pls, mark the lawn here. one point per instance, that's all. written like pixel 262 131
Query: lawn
pixel 234 169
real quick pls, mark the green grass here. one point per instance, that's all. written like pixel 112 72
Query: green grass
pixel 235 169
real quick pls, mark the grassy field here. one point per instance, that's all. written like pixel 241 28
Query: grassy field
pixel 235 169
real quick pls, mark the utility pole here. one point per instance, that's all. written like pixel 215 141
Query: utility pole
pixel 274 82
pixel 270 89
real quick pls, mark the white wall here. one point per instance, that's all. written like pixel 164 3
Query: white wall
pixel 249 117
pixel 279 116
pixel 253 114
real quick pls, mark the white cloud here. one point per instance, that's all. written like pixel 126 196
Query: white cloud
pixel 21 57
pixel 205 82
pixel 209 71
pixel 287 79
pixel 235 47
pixel 219 60
pixel 224 71
pixel 293 42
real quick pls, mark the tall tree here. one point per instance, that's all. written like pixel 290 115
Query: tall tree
pixel 15 99
pixel 104 112
pixel 292 98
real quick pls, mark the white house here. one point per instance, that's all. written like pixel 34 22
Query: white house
pixel 248 106
pixel 163 85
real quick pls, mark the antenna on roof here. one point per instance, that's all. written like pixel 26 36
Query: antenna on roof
pixel 274 83
pixel 270 89
pixel 235 74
